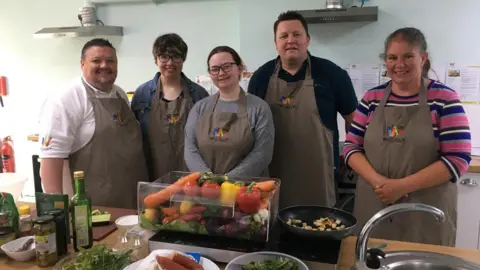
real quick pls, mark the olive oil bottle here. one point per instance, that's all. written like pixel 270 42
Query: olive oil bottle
pixel 81 215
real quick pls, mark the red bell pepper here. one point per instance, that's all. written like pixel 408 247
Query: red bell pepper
pixel 249 199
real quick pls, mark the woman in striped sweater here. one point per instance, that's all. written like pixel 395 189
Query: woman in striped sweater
pixel 409 142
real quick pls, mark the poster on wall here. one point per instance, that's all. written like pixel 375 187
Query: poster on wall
pixel 384 78
pixel 465 79
pixel 364 77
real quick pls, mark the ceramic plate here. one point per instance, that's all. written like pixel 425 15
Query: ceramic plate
pixel 150 261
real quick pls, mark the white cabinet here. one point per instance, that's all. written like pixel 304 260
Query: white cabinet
pixel 468 222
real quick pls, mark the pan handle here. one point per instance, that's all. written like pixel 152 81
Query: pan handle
pixel 341 204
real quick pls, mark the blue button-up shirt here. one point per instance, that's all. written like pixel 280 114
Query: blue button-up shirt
pixel 142 99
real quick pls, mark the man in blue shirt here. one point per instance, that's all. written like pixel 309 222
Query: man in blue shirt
pixel 305 94
pixel 162 105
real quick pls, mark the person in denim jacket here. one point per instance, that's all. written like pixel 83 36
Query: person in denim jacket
pixel 162 105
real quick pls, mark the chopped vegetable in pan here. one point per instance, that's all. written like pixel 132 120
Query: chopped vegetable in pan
pixel 322 224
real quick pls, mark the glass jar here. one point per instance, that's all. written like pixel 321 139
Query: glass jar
pixel 25 224
pixel 61 230
pixel 7 234
pixel 45 241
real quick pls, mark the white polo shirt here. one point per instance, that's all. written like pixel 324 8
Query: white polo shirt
pixel 67 120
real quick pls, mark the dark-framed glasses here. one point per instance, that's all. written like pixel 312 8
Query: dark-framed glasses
pixel 164 58
pixel 226 67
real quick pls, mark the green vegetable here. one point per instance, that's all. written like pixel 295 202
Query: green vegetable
pixel 99 257
pixel 180 225
pixel 279 264
pixel 98 212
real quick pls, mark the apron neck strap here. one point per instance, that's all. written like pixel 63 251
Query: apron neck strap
pixel 91 92
pixel 242 102
pixel 422 94
pixel 183 83
pixel 308 73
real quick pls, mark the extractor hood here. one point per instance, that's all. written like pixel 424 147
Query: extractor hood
pixel 354 14
pixel 89 26
pixel 79 31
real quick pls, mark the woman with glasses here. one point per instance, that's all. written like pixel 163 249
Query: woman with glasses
pixel 162 104
pixel 230 132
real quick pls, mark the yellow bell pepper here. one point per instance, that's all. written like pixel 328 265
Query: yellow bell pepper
pixel 229 191
pixel 185 207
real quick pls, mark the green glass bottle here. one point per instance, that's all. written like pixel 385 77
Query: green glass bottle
pixel 81 215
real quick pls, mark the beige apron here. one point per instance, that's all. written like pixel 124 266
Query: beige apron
pixel 224 139
pixel 166 135
pixel 113 159
pixel 303 152
pixel 396 157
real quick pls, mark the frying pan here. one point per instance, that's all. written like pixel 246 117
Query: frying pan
pixel 309 213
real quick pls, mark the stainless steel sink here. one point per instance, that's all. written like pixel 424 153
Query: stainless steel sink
pixel 419 260
pixel 407 260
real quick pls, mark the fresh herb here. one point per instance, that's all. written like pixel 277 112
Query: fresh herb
pixel 279 264
pixel 182 226
pixel 99 257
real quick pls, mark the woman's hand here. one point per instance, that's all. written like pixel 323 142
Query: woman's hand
pixel 391 191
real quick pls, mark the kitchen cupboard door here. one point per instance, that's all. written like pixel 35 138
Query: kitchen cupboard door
pixel 468 220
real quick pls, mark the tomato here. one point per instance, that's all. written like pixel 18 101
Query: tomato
pixel 210 190
pixel 191 189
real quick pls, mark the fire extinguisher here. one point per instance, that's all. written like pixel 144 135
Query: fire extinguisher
pixel 8 158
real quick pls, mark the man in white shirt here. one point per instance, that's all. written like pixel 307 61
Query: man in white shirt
pixel 90 124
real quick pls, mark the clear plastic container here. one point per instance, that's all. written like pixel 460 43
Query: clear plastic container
pixel 243 208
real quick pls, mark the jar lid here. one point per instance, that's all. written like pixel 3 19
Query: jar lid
pixel 43 219
pixel 24 210
pixel 5 231
pixel 54 212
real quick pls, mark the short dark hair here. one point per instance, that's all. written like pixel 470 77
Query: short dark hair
pixel 171 43
pixel 290 15
pixel 412 36
pixel 236 57
pixel 96 42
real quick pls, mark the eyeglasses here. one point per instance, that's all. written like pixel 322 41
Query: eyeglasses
pixel 164 58
pixel 227 67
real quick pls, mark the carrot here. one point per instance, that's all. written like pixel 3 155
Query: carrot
pixel 171 211
pixel 155 199
pixel 264 203
pixel 267 186
pixel 187 178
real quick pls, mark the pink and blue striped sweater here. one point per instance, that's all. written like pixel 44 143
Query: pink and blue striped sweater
pixel 449 124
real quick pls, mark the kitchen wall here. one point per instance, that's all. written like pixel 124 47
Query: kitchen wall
pixel 36 67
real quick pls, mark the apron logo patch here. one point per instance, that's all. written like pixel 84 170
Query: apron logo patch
pixel 394 131
pixel 116 117
pixel 172 118
pixel 287 102
pixel 220 134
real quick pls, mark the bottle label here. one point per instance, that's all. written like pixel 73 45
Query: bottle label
pixel 81 225
pixel 46 244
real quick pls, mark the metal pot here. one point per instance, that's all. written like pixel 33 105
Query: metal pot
pixel 334 4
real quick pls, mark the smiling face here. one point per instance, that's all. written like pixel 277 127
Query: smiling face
pixel 170 64
pixel 291 41
pixel 404 61
pixel 99 66
pixel 224 72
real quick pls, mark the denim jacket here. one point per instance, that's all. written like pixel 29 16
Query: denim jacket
pixel 142 99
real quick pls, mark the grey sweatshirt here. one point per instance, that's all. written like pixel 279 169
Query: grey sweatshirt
pixel 261 121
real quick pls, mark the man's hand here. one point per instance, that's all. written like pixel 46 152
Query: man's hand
pixel 391 191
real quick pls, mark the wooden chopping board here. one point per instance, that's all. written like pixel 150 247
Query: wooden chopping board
pixel 100 232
